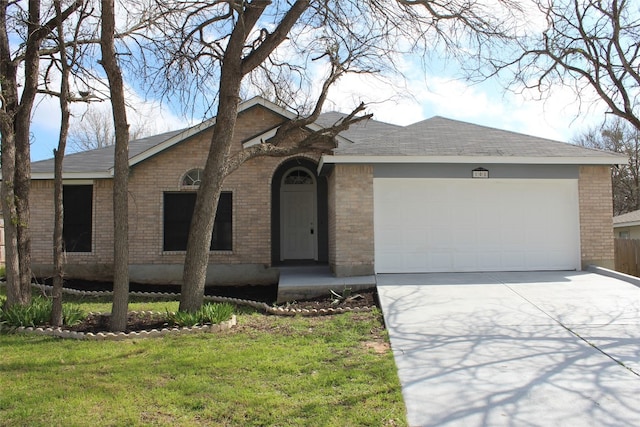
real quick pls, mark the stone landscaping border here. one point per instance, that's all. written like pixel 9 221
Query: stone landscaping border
pixel 118 336
pixel 278 311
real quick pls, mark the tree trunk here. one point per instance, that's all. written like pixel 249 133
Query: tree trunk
pixel 14 131
pixel 14 296
pixel 22 183
pixel 58 249
pixel 121 171
pixel 232 71
pixel 22 188
pixel 199 242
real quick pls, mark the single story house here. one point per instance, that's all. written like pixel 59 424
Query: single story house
pixel 627 226
pixel 439 195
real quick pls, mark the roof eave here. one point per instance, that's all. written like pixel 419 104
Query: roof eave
pixel 360 159
pixel 73 175
pixel 258 139
pixel 626 224
pixel 257 100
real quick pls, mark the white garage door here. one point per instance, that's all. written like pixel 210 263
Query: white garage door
pixel 440 225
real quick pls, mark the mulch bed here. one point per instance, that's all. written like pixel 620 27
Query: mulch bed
pixel 146 321
pixel 136 322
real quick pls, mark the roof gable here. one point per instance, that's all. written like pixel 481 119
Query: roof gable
pixel 98 163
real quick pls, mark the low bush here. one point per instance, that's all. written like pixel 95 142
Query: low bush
pixel 209 313
pixel 38 313
pixel 72 314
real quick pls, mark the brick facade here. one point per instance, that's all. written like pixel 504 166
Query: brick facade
pixel 596 212
pixel 149 180
pixel 351 242
pixel 350 218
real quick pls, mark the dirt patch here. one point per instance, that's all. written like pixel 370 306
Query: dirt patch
pixel 365 298
pixel 379 347
pixel 136 322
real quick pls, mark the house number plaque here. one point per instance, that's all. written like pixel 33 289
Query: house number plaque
pixel 480 173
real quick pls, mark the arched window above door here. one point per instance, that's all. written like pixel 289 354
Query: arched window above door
pixel 298 177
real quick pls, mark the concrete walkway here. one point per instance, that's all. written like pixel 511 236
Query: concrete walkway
pixel 515 349
pixel 301 282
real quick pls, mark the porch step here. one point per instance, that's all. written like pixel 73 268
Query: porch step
pixel 304 282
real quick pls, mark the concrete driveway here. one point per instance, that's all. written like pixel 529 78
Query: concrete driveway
pixel 515 349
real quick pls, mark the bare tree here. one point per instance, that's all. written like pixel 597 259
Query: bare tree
pixel 19 79
pixel 589 45
pixel 58 154
pixel 620 136
pixel 95 130
pixel 110 64
pixel 211 52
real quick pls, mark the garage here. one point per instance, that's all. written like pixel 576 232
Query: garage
pixel 463 225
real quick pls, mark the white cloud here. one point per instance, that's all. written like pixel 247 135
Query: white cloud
pixel 45 125
pixel 558 117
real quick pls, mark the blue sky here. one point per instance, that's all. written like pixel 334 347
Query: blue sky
pixel 423 93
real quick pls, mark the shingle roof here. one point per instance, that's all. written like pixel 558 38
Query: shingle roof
pixel 629 217
pixel 437 136
pixel 100 159
pixel 360 131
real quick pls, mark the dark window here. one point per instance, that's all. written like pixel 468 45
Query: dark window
pixel 178 209
pixel 78 213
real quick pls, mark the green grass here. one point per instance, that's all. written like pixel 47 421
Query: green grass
pixel 267 371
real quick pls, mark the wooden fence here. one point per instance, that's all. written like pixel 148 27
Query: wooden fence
pixel 627 256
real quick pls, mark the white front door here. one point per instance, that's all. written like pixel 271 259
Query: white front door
pixel 298 216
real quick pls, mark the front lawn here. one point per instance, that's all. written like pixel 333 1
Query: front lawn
pixel 267 371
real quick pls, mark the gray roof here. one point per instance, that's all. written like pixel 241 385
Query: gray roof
pixel 101 159
pixel 361 131
pixel 439 136
pixel 627 218
pixel 435 137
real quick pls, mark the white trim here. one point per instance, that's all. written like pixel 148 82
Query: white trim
pixel 626 224
pixel 259 139
pixel 360 159
pixel 206 125
pixel 73 175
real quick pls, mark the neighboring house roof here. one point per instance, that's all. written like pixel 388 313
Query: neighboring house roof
pixel 435 140
pixel 627 220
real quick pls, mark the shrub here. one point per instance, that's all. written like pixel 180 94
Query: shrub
pixel 72 314
pixel 38 313
pixel 34 314
pixel 209 313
